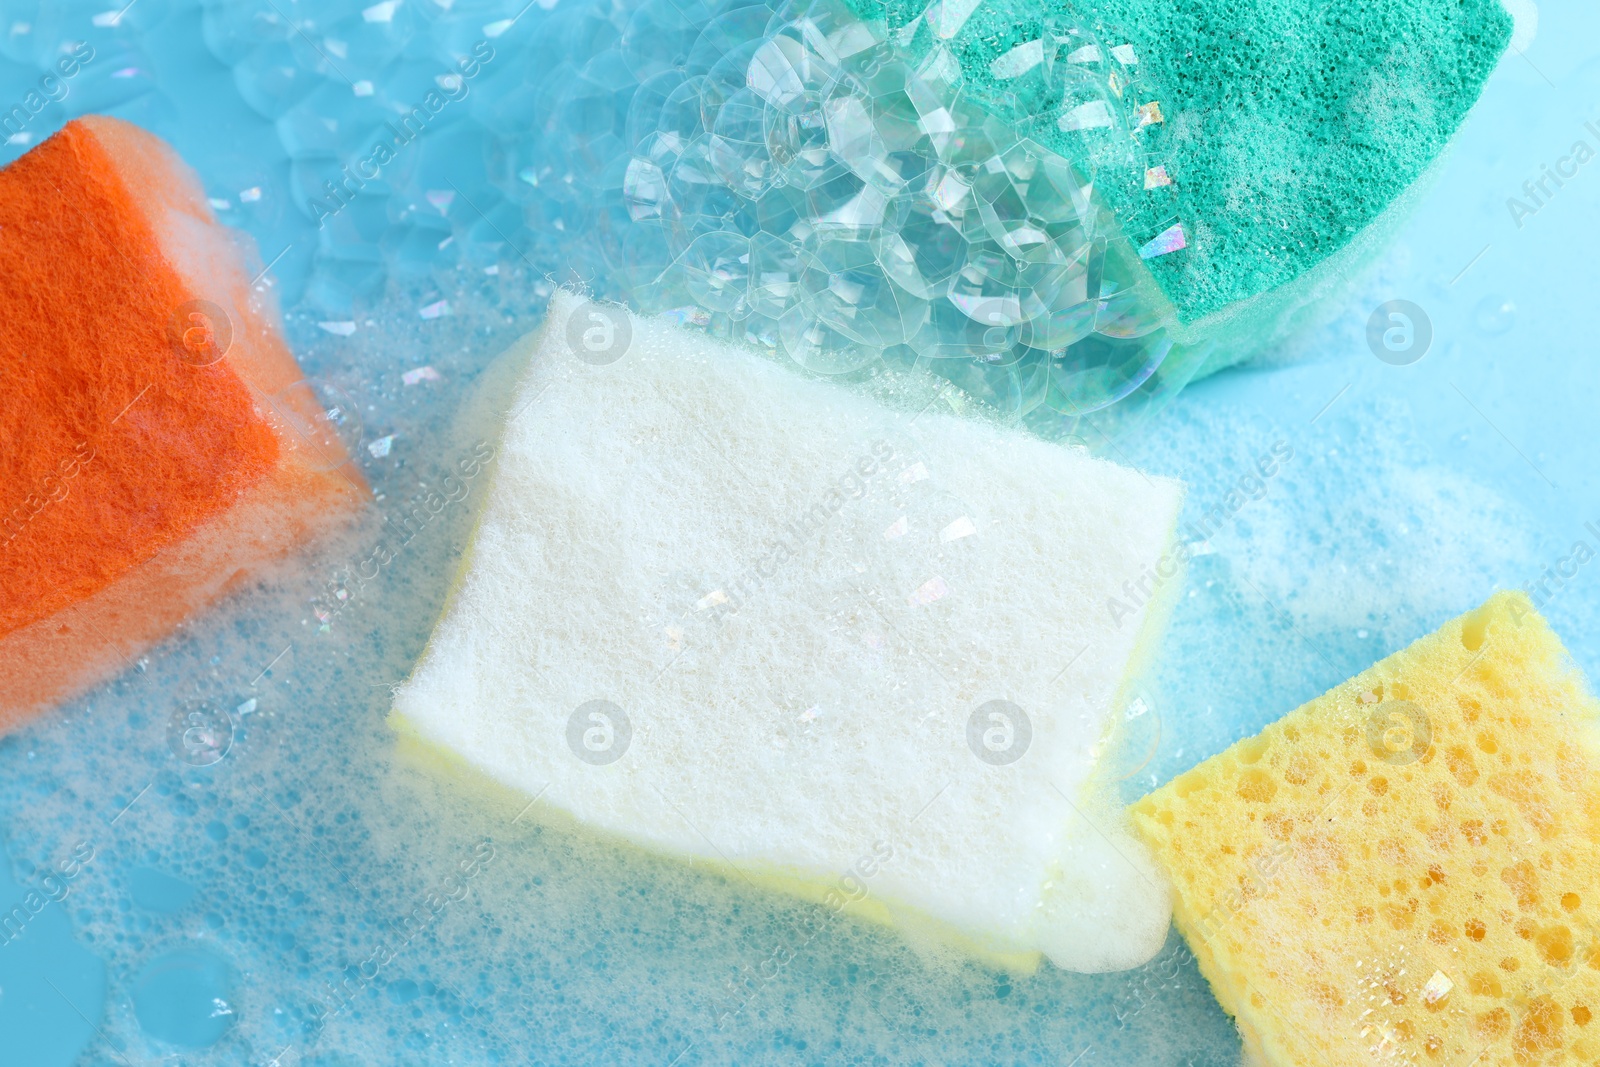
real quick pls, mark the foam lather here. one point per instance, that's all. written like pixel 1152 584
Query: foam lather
pixel 1406 869
pixel 765 623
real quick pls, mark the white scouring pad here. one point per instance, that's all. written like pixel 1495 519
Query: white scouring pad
pixel 741 617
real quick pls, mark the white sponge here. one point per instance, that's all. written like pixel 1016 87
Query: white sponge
pixel 734 615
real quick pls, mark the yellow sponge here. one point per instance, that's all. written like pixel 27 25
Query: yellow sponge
pixel 1406 869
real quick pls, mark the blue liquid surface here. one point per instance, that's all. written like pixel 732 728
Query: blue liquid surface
pixel 284 864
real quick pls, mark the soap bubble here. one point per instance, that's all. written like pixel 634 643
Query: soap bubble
pixel 716 269
pixel 886 203
pixel 817 347
pixel 1000 200
pixel 322 421
pixel 659 35
pixel 738 146
pixel 797 139
pixel 629 147
pixel 844 287
pixel 183 997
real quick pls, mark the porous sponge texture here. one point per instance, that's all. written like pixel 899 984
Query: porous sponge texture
pixel 1297 122
pixel 1294 124
pixel 135 483
pixel 1407 868
pixel 798 598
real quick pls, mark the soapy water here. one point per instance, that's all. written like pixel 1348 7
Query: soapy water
pixel 268 879
pixel 271 882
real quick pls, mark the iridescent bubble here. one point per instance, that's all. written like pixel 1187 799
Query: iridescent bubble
pixel 678 121
pixel 976 139
pixel 369 43
pixel 742 27
pixel 704 200
pixel 831 30
pixel 586 30
pixel 817 347
pixel 644 190
pixel 645 254
pixel 848 206
pixel 786 67
pixel 987 288
pixel 590 126
pixel 184 997
pixel 272 81
pixel 782 211
pixel 1127 309
pixel 738 146
pixel 977 332
pixel 1099 371
pixel 775 266
pixel 659 36
pixel 1011 389
pixel 648 105
pixel 845 288
pixel 923 254
pixel 789 176
pixel 232 31
pixel 1054 293
pixel 797 138
pixel 727 78
pixel 716 268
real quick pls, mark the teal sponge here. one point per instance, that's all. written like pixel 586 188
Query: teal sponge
pixel 1291 125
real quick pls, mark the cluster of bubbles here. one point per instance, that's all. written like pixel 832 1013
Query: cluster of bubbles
pixel 784 173
pixel 803 179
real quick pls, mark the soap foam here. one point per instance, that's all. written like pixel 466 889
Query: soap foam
pixel 350 837
pixel 1359 539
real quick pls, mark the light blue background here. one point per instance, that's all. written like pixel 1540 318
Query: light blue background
pixel 1413 492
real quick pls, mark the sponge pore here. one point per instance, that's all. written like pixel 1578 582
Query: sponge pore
pixel 1408 867
pixel 160 444
pixel 763 622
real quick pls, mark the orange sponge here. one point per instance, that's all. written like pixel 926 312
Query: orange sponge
pixel 158 444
